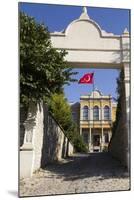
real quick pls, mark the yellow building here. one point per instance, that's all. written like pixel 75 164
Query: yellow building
pixel 97 113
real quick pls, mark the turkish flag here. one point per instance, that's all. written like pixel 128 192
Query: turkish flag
pixel 87 79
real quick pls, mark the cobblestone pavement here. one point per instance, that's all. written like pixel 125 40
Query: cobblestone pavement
pixel 78 174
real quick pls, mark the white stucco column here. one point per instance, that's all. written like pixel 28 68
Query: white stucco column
pixel 101 110
pixel 27 153
pixel 91 113
pixel 109 135
pixel 127 87
pixel 99 113
pixel 31 150
pixel 125 44
pixel 127 98
pixel 80 131
pixel 30 128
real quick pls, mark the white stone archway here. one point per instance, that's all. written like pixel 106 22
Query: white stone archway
pixel 90 46
pixel 87 44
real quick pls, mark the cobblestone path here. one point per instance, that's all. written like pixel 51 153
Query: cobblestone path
pixel 78 174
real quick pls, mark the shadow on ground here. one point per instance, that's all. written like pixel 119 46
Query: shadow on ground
pixel 13 193
pixel 82 166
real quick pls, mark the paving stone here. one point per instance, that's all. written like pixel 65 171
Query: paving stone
pixel 81 173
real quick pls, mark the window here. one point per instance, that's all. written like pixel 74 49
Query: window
pixel 96 113
pixel 85 113
pixel 106 113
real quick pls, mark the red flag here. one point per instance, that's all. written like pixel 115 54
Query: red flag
pixel 87 79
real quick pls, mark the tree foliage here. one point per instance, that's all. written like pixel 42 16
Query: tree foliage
pixel 43 73
pixel 43 70
pixel 119 97
pixel 61 110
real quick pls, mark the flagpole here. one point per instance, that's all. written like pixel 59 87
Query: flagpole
pixel 89 79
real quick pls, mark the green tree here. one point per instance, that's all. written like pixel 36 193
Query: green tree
pixel 119 97
pixel 43 70
pixel 61 110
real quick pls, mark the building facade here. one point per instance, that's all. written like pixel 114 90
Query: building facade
pixel 75 109
pixel 96 116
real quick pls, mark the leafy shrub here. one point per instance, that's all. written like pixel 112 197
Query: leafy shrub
pixel 105 149
pixel 61 110
pixel 79 145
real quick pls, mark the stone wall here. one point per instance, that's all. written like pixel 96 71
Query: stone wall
pixel 56 145
pixel 44 141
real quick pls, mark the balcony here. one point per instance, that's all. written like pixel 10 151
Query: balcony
pixel 96 123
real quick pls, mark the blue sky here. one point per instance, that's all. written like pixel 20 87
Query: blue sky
pixel 104 80
pixel 57 18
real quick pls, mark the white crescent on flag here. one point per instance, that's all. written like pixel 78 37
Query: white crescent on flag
pixel 87 78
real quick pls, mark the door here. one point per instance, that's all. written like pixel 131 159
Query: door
pixel 96 143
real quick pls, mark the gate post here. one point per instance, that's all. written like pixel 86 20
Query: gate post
pixel 125 45
pixel 126 67
pixel 27 149
pixel 31 150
